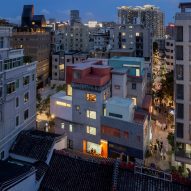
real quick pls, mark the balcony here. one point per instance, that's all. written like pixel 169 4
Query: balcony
pixel 183 16
pixel 183 154
pixel 5 31
pixel 15 53
pixel 11 53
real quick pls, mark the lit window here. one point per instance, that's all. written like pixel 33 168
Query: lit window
pixel 123 46
pixel 137 72
pixel 91 97
pixel 91 130
pixel 130 27
pixel 137 34
pixel 91 114
pixel 123 34
pixel 69 90
pixel 61 67
pixel 62 125
pixel 63 104
pixel 70 128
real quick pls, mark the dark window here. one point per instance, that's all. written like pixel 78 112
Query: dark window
pixel 10 87
pixel 70 144
pixel 179 130
pixel 33 77
pixel 56 59
pixel 117 87
pixel 26 114
pixel 17 102
pixel 26 97
pixel 17 83
pixel 179 110
pixel 115 115
pixel 17 121
pixel 1 42
pixel 180 91
pixel 68 60
pixel 126 134
pixel 179 33
pixel 179 72
pixel 26 80
pixel 2 155
pixel 55 73
pixel 134 86
pixel 55 67
pixel 179 52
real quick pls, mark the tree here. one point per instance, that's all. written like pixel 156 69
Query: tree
pixel 170 139
pixel 155 47
pixel 167 89
pixel 27 59
pixel 61 88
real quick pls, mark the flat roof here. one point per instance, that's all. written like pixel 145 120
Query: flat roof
pixel 126 58
pixel 62 95
pixel 123 102
pixel 123 70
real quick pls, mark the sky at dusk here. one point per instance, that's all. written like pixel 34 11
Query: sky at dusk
pixel 101 10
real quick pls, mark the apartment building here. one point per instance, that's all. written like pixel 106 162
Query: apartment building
pixel 126 130
pixel 60 60
pixel 79 115
pixel 85 112
pixel 182 86
pixel 149 16
pixel 36 44
pixel 170 30
pixel 170 54
pixel 132 38
pixel 74 17
pixel 129 78
pixel 75 37
pixel 17 92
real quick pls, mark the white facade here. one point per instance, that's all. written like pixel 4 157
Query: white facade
pixel 182 86
pixel 61 106
pixel 120 108
pixel 17 93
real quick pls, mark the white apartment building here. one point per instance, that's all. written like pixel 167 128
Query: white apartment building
pixel 183 85
pixel 17 92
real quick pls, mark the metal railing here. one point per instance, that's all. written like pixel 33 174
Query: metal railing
pixel 153 173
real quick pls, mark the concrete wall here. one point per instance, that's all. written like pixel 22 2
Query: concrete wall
pixel 119 81
pixel 8 130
